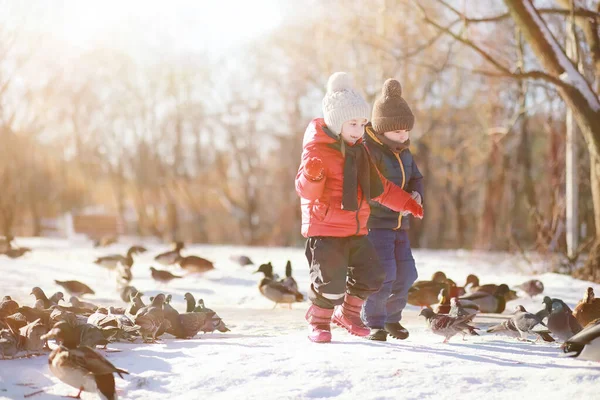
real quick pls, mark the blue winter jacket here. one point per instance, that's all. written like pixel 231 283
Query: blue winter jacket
pixel 400 169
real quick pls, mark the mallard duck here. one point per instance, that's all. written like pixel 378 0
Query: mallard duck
pixel 586 344
pixel 277 292
pixel 112 261
pixel 41 296
pixel 488 303
pixel 75 288
pixel 32 333
pixel 195 264
pixel 425 293
pixel 443 307
pixel 472 286
pixel 532 287
pixel 170 257
pixel 82 367
pixel 8 306
pixel 151 318
pixel 588 309
pixel 447 326
pixel 163 276
pixel 241 260
pixel 8 343
pixel 289 280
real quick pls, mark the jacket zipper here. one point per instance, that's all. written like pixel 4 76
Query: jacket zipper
pixel 401 187
pixel 357 219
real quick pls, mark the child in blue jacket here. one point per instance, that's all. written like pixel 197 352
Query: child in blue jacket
pixel 387 139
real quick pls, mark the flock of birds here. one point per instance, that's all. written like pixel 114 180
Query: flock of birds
pixel 456 307
pixel 79 326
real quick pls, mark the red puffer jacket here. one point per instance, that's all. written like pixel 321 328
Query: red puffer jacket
pixel 321 202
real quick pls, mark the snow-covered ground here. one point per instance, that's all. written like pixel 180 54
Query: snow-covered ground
pixel 267 355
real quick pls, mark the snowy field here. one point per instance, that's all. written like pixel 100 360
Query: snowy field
pixel 267 355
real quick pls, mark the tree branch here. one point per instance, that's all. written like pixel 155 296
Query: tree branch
pixel 581 13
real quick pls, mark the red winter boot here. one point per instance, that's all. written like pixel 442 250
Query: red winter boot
pixel 319 320
pixel 348 316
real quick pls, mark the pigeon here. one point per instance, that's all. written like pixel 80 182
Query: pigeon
pixel 586 344
pixel 31 314
pixel 522 324
pixel 135 305
pixel 445 325
pixel 41 296
pixel 75 288
pixel 75 302
pixel 32 333
pixel 561 321
pixel 170 257
pixel 163 276
pixel 151 318
pixel 81 366
pixel 488 303
pixel 127 292
pixel 458 310
pixel 8 306
pixel 213 322
pixel 242 260
pixel 588 309
pixel 532 287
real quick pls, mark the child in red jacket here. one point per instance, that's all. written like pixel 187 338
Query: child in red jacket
pixel 336 180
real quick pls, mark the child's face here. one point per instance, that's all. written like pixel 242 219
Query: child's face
pixel 399 136
pixel 353 130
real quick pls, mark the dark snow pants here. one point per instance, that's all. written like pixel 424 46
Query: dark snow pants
pixel 340 265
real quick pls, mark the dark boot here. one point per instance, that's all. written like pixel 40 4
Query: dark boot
pixel 396 330
pixel 347 316
pixel 319 320
pixel 379 335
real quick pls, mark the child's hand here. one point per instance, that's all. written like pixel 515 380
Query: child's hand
pixel 414 208
pixel 313 169
pixel 415 195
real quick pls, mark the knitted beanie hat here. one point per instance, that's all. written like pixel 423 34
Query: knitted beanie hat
pixel 342 103
pixel 391 112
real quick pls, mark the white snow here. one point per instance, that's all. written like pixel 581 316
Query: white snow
pixel 573 76
pixel 267 354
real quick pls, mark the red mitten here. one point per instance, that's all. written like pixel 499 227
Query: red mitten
pixel 414 208
pixel 313 169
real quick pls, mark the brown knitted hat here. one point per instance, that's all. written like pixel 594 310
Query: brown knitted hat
pixel 391 112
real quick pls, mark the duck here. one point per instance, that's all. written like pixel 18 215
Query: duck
pixel 425 293
pixel 488 303
pixel 170 257
pixel 114 326
pixel 112 261
pixel 532 287
pixel 151 318
pixel 447 326
pixel 472 286
pixel 241 260
pixel 588 309
pixel 195 264
pixel 275 291
pixel 289 280
pixel 8 306
pixel 443 307
pixel 83 334
pixel 163 276
pixel 16 253
pixel 585 345
pixel 81 366
pixel 75 288
pixel 32 334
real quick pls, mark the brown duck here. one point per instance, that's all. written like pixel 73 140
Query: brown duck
pixel 425 293
pixel 75 288
pixel 163 276
pixel 170 257
pixel 195 264
pixel 472 286
pixel 588 309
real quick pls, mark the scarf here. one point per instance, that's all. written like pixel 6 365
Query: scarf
pixel 394 146
pixel 358 170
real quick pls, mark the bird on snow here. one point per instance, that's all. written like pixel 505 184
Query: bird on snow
pixel 532 287
pixel 195 264
pixel 588 309
pixel 32 334
pixel 81 366
pixel 241 260
pixel 425 293
pixel 586 344
pixel 561 321
pixel 522 324
pixel 488 303
pixel 170 257
pixel 443 307
pixel 126 292
pixel 8 306
pixel 457 309
pixel 275 291
pixel 112 261
pixel 75 288
pixel 9 343
pixel 41 297
pixel 163 276
pixel 447 326
pixel 151 318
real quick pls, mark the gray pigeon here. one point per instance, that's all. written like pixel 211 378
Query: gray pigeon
pixel 445 325
pixel 32 334
pixel 532 287
pixel 457 310
pixel 8 343
pixel 561 321
pixel 586 344
pixel 523 323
